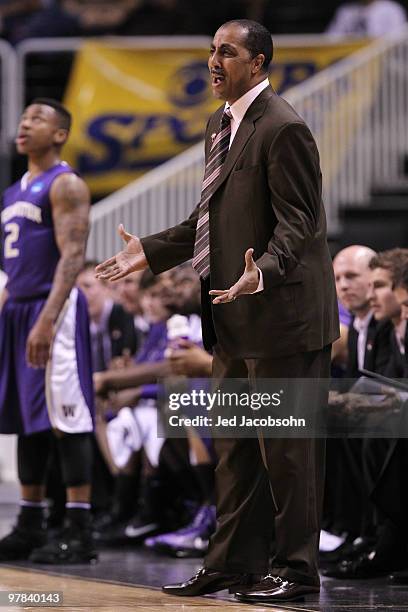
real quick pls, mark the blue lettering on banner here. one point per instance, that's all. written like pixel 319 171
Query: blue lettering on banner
pixel 291 73
pixel 190 85
pixel 113 149
pixel 115 155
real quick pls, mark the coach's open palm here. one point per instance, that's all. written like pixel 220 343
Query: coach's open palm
pixel 245 285
pixel 130 260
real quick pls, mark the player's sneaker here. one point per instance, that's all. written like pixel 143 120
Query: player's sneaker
pixel 109 529
pixel 72 545
pixel 20 542
pixel 141 526
pixel 190 541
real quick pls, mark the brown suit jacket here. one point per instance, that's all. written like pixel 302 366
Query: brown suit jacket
pixel 268 196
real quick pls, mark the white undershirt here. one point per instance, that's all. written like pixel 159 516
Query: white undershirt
pixel 399 331
pixel 239 107
pixel 361 326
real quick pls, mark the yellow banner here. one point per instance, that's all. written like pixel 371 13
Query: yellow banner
pixel 135 109
pixel 293 64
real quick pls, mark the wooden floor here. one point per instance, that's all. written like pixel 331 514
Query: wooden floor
pixel 128 579
pixel 89 595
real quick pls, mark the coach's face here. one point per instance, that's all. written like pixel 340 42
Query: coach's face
pixel 233 70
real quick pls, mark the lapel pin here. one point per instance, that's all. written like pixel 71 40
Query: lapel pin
pixel 213 136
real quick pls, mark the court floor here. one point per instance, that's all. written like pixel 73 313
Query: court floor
pixel 130 579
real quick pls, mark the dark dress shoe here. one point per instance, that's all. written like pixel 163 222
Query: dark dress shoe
pixel 209 581
pixel 274 588
pixel 348 550
pixel 367 565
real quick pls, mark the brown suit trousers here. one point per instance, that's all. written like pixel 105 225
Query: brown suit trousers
pixel 269 490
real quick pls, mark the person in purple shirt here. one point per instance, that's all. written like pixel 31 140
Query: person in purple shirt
pixel 135 426
pixel 46 391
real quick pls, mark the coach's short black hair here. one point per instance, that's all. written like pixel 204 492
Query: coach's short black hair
pixel 258 39
pixel 64 116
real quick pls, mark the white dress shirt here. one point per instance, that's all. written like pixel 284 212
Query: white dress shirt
pixel 361 326
pixel 238 111
pixel 399 331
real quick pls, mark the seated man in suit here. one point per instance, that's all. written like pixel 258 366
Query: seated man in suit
pixel 401 294
pixel 385 269
pixel 389 493
pixel 347 505
pixel 392 480
pixel 388 551
pixel 352 279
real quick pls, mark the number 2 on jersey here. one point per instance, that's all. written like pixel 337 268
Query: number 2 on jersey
pixel 12 233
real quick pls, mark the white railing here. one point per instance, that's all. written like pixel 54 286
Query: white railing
pixel 358 112
pixel 161 198
pixel 8 82
pixel 8 89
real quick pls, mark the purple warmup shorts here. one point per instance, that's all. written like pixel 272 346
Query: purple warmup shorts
pixel 60 396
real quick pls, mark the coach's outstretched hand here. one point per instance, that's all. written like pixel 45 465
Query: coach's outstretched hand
pixel 246 284
pixel 130 260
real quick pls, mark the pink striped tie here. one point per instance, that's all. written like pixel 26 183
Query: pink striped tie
pixel 216 158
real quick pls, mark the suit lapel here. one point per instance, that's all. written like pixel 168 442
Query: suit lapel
pixel 352 348
pixel 244 133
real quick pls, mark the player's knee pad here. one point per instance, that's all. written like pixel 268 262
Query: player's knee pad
pixel 76 453
pixel 32 457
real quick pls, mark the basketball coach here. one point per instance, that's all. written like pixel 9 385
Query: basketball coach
pixel 258 240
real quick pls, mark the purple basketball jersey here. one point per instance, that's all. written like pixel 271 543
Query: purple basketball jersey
pixel 30 253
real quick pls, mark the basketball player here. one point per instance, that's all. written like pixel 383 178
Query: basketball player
pixel 45 376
